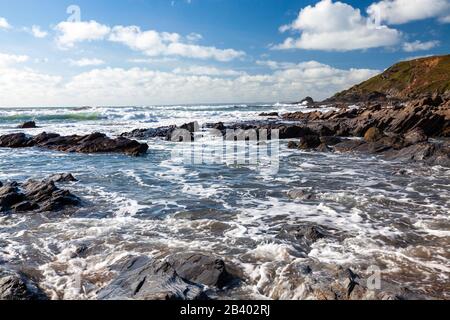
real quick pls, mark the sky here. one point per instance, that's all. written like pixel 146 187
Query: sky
pixel 148 52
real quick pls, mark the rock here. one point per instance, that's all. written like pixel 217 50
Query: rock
pixel 41 196
pixel 162 132
pixel 15 287
pixel 415 136
pixel 201 269
pixel 93 143
pixel 14 140
pixel 323 148
pixel 145 279
pixel 373 134
pixel 293 145
pixel 269 114
pixel 28 125
pixel 330 141
pixel 309 142
pixel 63 177
pixel 301 194
pixel 192 127
pixel 308 101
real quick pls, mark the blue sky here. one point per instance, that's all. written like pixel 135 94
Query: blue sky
pixel 128 52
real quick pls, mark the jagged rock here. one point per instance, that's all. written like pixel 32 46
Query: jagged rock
pixel 63 177
pixel 14 287
pixel 28 125
pixel 145 279
pixel 205 270
pixel 330 140
pixel 93 143
pixel 162 132
pixel 41 196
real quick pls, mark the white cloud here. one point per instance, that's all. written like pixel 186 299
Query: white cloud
pixel 153 43
pixel 10 59
pixel 72 32
pixel 207 71
pixel 336 26
pixel 404 11
pixel 86 62
pixel 142 86
pixel 4 23
pixel 275 64
pixel 37 32
pixel 419 46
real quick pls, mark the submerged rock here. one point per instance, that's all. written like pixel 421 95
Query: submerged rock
pixel 93 143
pixel 146 279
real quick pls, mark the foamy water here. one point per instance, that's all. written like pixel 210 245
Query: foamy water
pixel 156 206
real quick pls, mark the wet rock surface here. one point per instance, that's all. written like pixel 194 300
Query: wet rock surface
pixel 35 196
pixel 146 279
pixel 15 286
pixel 93 143
pixel 28 125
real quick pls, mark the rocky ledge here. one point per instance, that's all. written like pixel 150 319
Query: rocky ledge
pixel 16 286
pixel 93 143
pixel 187 276
pixel 37 196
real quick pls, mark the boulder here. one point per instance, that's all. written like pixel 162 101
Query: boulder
pixel 301 194
pixel 205 270
pixel 63 177
pixel 145 279
pixel 14 140
pixel 28 125
pixel 415 136
pixel 373 134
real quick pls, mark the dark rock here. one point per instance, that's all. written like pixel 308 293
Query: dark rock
pixel 145 279
pixel 15 287
pixel 42 196
pixel 205 270
pixel 308 101
pixel 330 141
pixel 14 140
pixel 309 142
pixel 162 132
pixel 93 143
pixel 293 145
pixel 28 125
pixel 269 114
pixel 323 148
pixel 192 127
pixel 63 177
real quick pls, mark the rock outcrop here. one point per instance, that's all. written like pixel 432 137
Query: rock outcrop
pixel 16 287
pixel 35 196
pixel 93 143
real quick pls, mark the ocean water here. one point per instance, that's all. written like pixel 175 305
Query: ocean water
pixel 157 205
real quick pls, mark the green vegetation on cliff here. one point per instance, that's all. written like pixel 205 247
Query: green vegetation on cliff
pixel 407 79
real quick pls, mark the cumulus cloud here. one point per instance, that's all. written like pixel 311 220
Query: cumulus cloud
pixel 404 11
pixel 445 19
pixel 142 86
pixel 86 62
pixel 10 59
pixel 275 64
pixel 37 32
pixel 4 23
pixel 336 26
pixel 153 43
pixel 72 32
pixel 207 71
pixel 419 46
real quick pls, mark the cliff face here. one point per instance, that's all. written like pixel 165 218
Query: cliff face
pixel 405 80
